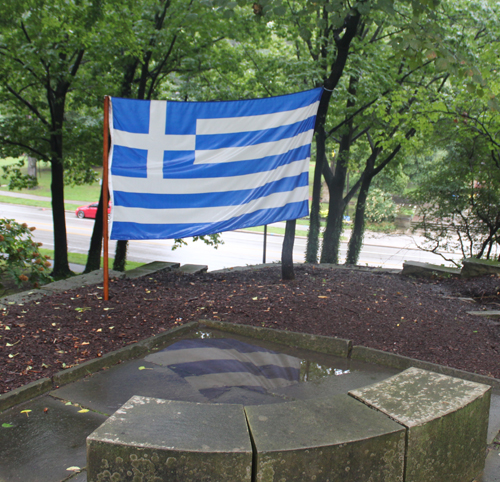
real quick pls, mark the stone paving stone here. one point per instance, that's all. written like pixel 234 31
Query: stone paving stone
pixel 335 439
pixel 492 467
pixel 446 419
pixel 165 440
pixel 494 422
pixel 108 390
pixel 41 444
pixel 242 396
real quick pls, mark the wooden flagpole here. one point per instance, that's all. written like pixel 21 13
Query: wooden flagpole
pixel 105 198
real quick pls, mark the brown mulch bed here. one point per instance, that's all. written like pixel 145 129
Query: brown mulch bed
pixel 416 318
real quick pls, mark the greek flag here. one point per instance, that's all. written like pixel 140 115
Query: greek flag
pixel 182 169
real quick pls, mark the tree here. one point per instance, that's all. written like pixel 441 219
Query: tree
pixel 42 47
pixel 164 39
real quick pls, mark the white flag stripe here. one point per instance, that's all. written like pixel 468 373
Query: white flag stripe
pixel 211 184
pixel 230 125
pixel 214 380
pixel 190 355
pixel 248 153
pixel 208 214
pixel 143 141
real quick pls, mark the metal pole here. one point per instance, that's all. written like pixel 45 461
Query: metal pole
pixel 265 245
pixel 105 198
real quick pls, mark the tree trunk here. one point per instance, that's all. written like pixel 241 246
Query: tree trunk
pixel 358 229
pixel 312 248
pixel 61 266
pixel 120 255
pixel 94 254
pixel 337 203
pixel 287 272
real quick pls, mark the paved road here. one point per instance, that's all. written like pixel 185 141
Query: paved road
pixel 240 248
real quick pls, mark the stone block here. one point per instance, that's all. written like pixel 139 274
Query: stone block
pixel 446 420
pixel 426 270
pixel 479 267
pixel 335 439
pixel 164 440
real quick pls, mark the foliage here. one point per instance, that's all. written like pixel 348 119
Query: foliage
pixel 379 207
pixel 20 258
pixel 214 240
pixel 460 202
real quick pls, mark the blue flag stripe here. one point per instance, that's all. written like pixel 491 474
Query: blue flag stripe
pixel 239 139
pixel 186 230
pixel 179 165
pixel 226 198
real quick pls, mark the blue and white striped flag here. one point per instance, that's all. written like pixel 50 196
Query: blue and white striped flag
pixel 182 169
pixel 214 366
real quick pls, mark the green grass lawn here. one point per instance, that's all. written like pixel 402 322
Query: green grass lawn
pixel 78 258
pixel 86 193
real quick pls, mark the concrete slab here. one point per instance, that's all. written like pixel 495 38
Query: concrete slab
pixel 237 395
pixel 150 268
pixel 446 419
pixel 193 268
pixel 492 467
pixel 426 270
pixel 335 439
pixel 106 391
pixel 479 267
pixel 174 441
pixel 41 444
pixel 92 278
pixel 494 421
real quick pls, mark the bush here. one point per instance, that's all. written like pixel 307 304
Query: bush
pixel 20 259
pixel 379 206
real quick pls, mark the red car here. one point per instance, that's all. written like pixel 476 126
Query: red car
pixel 89 211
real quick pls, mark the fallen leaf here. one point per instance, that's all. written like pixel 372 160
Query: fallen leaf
pixel 144 368
pixel 83 410
pixel 7 425
pixel 322 296
pixel 26 412
pixel 74 468
pixel 68 403
pixel 13 355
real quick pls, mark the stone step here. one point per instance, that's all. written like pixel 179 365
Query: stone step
pixel 151 268
pixel 426 270
pixel 193 268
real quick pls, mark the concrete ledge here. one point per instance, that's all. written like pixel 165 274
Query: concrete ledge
pixel 426 270
pixel 379 357
pixel 446 420
pixel 322 344
pixel 92 278
pixel 150 268
pixel 479 267
pixel 165 440
pixel 337 439
pixel 25 393
pixel 193 269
